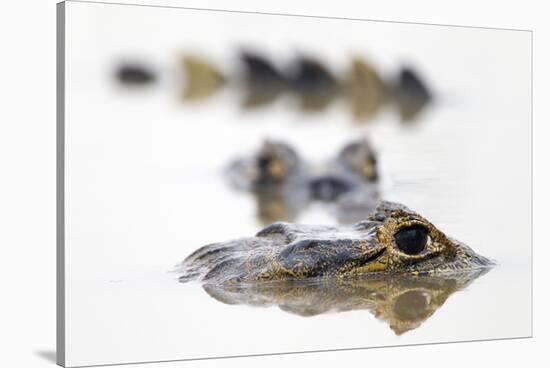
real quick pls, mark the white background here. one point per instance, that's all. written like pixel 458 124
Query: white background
pixel 28 186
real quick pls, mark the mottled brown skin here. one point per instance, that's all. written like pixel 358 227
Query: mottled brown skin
pixel 285 251
pixel 403 301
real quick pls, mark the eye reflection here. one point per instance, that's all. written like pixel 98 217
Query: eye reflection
pixel 412 239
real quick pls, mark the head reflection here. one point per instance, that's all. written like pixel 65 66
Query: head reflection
pixel 403 302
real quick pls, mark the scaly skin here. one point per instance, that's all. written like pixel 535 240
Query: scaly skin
pixel 391 241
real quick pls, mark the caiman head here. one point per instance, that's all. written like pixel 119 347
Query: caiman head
pixel 391 241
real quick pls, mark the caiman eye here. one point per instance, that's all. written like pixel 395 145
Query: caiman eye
pixel 412 239
pixel 264 162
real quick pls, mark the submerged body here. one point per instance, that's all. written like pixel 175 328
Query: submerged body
pixel 392 240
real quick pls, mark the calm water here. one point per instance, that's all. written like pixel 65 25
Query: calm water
pixel 132 297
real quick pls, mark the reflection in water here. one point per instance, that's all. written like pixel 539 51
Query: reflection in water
pixel 403 302
pixel 286 204
pixel 278 205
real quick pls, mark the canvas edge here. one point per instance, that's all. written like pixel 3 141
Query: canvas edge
pixel 60 184
pixel 143 3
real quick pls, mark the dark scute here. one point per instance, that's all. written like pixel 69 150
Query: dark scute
pixel 412 86
pixel 412 239
pixel 134 74
pixel 328 188
pixel 263 81
pixel 260 72
pixel 312 77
